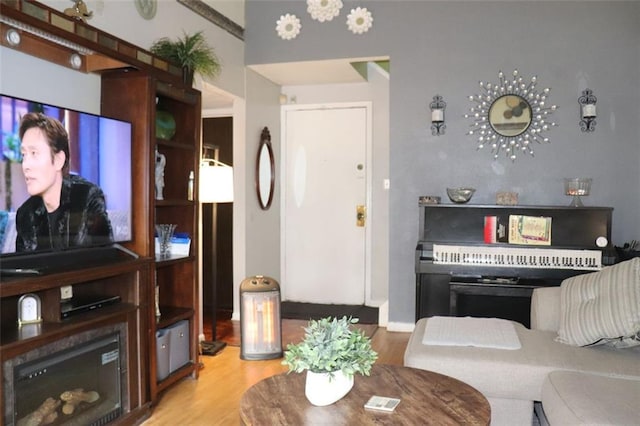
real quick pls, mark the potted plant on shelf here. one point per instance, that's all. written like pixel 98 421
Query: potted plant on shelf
pixel 191 52
pixel 332 352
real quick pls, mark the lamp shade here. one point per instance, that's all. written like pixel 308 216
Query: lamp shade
pixel 216 183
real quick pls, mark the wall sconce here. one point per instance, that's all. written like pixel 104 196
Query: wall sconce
pixel 437 115
pixel 587 110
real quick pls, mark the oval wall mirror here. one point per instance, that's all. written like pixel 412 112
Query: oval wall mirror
pixel 265 171
pixel 510 115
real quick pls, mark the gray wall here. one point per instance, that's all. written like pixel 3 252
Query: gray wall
pixel 262 227
pixel 446 48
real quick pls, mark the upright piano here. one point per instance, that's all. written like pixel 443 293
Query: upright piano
pixel 475 260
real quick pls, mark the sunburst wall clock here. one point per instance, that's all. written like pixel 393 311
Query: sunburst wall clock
pixel 510 116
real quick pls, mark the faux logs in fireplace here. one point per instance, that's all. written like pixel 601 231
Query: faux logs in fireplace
pixel 77 380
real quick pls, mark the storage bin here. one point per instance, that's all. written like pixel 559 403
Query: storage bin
pixel 162 354
pixel 178 345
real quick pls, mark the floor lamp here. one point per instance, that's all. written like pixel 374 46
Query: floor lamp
pixel 216 186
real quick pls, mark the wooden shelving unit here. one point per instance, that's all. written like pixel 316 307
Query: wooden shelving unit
pixel 136 98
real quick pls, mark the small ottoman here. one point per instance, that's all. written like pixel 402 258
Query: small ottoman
pixel 572 398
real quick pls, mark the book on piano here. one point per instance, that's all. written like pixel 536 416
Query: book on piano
pixel 517 229
pixel 530 230
pixel 495 229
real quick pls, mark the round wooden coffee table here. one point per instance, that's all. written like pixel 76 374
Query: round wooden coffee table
pixel 426 398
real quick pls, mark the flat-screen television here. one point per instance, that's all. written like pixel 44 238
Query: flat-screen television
pixel 99 152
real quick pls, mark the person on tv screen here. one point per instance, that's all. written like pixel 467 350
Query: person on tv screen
pixel 63 210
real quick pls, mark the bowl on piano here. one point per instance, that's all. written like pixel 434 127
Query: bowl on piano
pixel 460 195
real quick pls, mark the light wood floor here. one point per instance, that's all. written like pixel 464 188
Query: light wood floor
pixel 214 398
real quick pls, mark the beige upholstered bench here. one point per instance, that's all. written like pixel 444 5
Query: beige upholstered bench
pixel 571 398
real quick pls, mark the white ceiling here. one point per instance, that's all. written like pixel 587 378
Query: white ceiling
pixel 333 71
pixel 214 98
pixel 309 73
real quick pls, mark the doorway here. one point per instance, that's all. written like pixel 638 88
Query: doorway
pixel 326 185
pixel 218 131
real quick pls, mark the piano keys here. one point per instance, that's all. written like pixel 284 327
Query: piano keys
pixel 517 257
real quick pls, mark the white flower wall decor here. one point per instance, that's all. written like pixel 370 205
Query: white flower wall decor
pixel 359 20
pixel 288 26
pixel 324 10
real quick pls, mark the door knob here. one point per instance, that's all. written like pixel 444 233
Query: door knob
pixel 361 215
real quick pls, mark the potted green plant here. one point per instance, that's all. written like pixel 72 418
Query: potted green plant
pixel 191 52
pixel 332 352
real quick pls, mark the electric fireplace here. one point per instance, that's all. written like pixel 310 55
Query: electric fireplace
pixel 78 380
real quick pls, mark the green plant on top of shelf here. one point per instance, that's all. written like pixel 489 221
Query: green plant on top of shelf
pixel 191 52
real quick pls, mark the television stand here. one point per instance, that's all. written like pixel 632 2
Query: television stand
pixel 33 264
pixel 107 296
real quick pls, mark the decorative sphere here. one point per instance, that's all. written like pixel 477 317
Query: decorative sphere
pixel 165 125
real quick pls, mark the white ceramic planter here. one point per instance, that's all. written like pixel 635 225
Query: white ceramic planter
pixel 322 390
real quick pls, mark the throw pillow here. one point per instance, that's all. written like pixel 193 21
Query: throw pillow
pixel 601 306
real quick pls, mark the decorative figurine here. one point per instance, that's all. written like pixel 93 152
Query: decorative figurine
pixel 161 161
pixel 79 11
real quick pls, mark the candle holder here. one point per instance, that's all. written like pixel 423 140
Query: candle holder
pixel 438 105
pixel 587 110
pixel 576 188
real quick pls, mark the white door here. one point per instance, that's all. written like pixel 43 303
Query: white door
pixel 324 181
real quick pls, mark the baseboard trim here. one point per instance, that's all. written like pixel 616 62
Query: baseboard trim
pixel 404 327
pixel 383 314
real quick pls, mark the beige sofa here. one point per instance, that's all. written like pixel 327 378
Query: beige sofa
pixel 541 370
